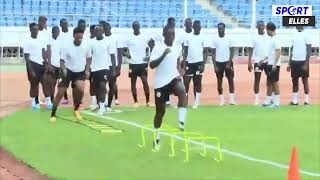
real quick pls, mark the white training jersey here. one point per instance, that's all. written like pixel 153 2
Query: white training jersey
pixel 34 47
pixel 167 69
pixel 137 45
pixel 65 38
pixel 184 37
pixel 45 36
pixel 222 46
pixel 101 51
pixel 117 42
pixel 179 37
pixel 274 44
pixel 55 51
pixel 196 44
pixel 299 44
pixel 260 47
pixel 75 57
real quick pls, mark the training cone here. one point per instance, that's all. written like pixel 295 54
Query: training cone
pixel 293 173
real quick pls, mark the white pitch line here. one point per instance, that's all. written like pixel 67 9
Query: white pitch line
pixel 226 151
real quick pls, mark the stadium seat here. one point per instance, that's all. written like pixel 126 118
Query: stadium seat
pixel 239 9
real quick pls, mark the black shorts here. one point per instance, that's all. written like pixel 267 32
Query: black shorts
pixel 71 77
pixel 194 69
pixel 38 69
pixel 99 76
pixel 259 69
pixel 272 76
pixel 223 70
pixel 161 94
pixel 297 70
pixel 138 70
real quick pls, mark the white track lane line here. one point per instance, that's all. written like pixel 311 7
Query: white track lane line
pixel 226 151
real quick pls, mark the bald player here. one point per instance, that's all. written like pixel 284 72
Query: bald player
pixel 138 55
pixel 299 64
pixel 195 58
pixel 259 48
pixel 165 59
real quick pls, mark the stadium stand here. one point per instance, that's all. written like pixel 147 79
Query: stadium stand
pixel 151 13
pixel 15 15
pixel 242 11
pixel 120 13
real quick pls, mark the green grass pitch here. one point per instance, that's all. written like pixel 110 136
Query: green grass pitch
pixel 68 150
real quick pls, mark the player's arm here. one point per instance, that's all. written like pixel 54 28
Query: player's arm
pixel 277 56
pixel 28 62
pixel 119 57
pixel 151 44
pixel 185 55
pixel 44 55
pixel 213 55
pixel 126 52
pixel 180 69
pixel 250 59
pixel 156 62
pixel 308 46
pixel 113 64
pixel 88 62
pixel 49 54
pixel 87 67
pixel 290 59
pixel 205 54
pixel 231 49
pixel 231 54
pixel 147 58
pixel 63 69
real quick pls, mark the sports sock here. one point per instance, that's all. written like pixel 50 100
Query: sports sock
pixel 295 97
pixel 306 98
pixel 197 100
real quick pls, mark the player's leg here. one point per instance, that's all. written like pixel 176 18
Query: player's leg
pixel 46 82
pixel 34 81
pixel 100 82
pixel 305 81
pixel 111 82
pixel 56 101
pixel 55 75
pixel 144 79
pixel 34 93
pixel 188 77
pixel 160 103
pixel 276 88
pixel 295 74
pixel 179 90
pixel 92 92
pixel 230 77
pixel 77 93
pixel 197 83
pixel 62 88
pixel 186 80
pixel 116 98
pixel 133 80
pixel 219 75
pixel 65 98
pixel 269 83
pixel 256 87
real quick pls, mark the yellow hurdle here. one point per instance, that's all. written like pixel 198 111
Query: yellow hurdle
pixel 187 136
pixel 203 139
